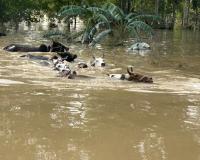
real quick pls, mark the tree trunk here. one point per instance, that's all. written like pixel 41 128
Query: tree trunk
pixel 133 6
pixel 129 6
pixel 1 24
pixel 174 14
pixel 125 5
pixel 75 22
pixel 197 16
pixel 16 25
pixel 186 11
pixel 68 25
pixel 157 2
pixel 141 6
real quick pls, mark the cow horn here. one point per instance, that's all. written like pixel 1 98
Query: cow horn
pixel 130 70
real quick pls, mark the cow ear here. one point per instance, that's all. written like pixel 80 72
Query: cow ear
pixel 23 55
pixel 52 42
pixel 130 70
pixel 93 64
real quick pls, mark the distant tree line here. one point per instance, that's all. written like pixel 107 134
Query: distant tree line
pixel 185 13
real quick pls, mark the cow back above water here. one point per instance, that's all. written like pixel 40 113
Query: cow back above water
pixel 140 46
pixel 53 47
pixel 26 48
pixel 58 47
pixel 2 34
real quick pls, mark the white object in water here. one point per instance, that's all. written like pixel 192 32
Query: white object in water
pixel 119 76
pixel 7 81
pixel 140 46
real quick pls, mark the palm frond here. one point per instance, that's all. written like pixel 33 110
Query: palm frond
pixel 100 21
pixel 101 18
pixel 130 16
pixel 94 29
pixel 141 26
pixel 86 36
pixel 146 17
pixel 100 36
pixel 131 30
pixel 77 34
pixel 115 11
pixel 93 24
pixel 52 34
pixel 66 7
pixel 72 11
pixel 97 10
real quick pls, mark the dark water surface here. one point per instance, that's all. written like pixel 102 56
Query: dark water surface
pixel 44 117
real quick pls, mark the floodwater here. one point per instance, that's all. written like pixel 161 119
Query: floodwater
pixel 45 117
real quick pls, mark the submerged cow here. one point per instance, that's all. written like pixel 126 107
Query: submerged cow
pixel 63 69
pixel 59 63
pixel 2 34
pixel 140 46
pixel 26 48
pixel 131 76
pixel 68 57
pixel 58 47
pixel 33 57
pixel 98 62
pixel 54 47
pixel 95 62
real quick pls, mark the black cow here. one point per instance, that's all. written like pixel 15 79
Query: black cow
pixel 58 47
pixel 67 56
pixel 2 34
pixel 26 48
pixel 54 47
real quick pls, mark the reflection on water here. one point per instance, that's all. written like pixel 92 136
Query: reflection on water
pixel 192 112
pixel 152 146
pixel 193 115
pixel 45 117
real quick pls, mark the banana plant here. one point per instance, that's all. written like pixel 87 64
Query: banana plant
pixel 102 21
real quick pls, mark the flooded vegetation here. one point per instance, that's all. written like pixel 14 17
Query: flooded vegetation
pixel 45 117
pixel 127 88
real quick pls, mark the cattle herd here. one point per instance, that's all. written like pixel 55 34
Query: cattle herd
pixel 62 59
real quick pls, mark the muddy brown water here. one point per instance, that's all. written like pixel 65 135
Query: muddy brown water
pixel 44 117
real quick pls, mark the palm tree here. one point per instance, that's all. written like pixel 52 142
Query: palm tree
pixel 108 19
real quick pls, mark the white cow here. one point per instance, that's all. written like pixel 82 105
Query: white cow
pixel 140 46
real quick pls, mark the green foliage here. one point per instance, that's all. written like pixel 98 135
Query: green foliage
pixel 116 13
pixel 101 21
pixel 100 36
pixel 52 34
pixel 55 35
pixel 139 25
pixel 18 10
pixel 107 11
pixel 195 4
pixel 70 11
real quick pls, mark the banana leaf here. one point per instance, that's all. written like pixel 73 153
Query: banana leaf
pixel 72 11
pixel 100 36
pixel 141 26
pixel 115 11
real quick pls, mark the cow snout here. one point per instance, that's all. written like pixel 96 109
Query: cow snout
pixel 103 64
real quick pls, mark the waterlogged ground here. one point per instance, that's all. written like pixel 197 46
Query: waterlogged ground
pixel 45 117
